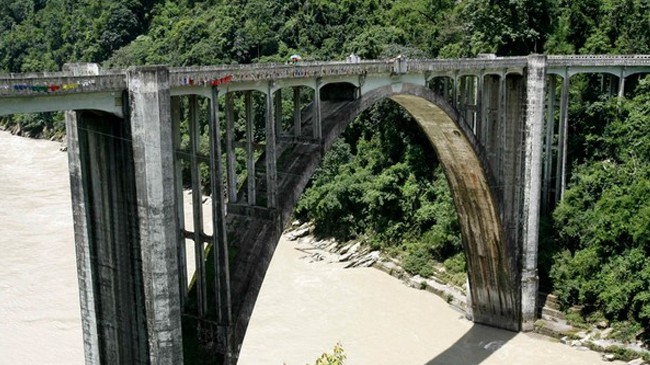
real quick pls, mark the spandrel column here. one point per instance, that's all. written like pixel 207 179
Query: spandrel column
pixel 250 148
pixel 182 255
pixel 560 179
pixel 297 118
pixel 197 207
pixel 548 144
pixel 271 152
pixel 219 236
pixel 230 150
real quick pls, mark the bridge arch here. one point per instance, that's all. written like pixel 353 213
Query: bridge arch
pixel 491 257
pixel 492 253
pixel 492 272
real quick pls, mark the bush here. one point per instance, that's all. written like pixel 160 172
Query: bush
pixel 418 261
pixel 335 358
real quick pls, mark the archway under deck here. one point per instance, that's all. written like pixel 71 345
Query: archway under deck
pixel 492 261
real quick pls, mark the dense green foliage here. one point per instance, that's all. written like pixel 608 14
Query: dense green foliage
pixel 42 35
pixel 380 183
pixel 602 224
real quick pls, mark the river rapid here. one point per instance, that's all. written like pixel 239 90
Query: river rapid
pixel 304 308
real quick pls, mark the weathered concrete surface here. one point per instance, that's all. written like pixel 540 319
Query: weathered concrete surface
pixel 114 239
pixel 82 237
pixel 492 276
pixel 107 241
pixel 532 187
pixel 151 130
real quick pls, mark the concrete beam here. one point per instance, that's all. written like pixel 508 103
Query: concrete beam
pixel 110 102
pixel 153 148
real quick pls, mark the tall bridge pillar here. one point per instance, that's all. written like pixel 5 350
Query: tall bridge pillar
pixel 151 130
pixel 82 222
pixel 536 73
pixel 125 219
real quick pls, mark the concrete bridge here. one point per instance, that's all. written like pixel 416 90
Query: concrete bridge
pixel 491 120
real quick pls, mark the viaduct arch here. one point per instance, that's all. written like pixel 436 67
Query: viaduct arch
pixel 494 274
pixel 471 181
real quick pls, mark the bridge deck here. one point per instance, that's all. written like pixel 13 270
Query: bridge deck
pixel 24 85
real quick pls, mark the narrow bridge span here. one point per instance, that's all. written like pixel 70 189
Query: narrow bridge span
pixel 491 121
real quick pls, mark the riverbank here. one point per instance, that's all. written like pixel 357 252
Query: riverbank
pixel 552 323
pixel 309 302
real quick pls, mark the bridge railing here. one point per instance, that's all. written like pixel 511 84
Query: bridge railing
pixel 598 60
pixel 60 83
pixel 255 72
pixel 29 84
pixel 465 64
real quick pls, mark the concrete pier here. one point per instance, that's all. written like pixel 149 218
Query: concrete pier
pixel 535 99
pixel 150 116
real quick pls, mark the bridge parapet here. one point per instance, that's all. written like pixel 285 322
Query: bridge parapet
pixel 54 83
pixel 205 76
pixel 474 65
pixel 17 85
pixel 599 60
pixel 619 65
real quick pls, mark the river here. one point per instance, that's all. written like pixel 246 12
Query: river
pixel 304 308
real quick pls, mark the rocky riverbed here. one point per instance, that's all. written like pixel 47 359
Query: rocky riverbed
pixel 552 323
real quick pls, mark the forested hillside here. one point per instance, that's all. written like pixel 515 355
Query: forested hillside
pixel 380 183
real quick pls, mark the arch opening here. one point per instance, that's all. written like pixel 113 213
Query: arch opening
pixel 491 258
pixel 493 291
pixel 338 91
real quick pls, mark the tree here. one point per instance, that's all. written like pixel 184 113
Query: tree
pixel 516 27
pixel 602 223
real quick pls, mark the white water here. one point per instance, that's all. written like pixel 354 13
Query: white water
pixel 302 311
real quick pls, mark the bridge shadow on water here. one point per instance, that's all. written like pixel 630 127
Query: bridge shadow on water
pixel 479 343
